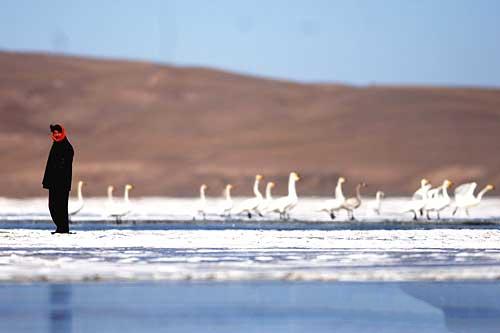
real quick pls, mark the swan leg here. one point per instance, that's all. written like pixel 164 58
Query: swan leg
pixel 249 215
pixel 438 216
pixel 332 215
pixel 421 212
pixel 467 212
pixel 414 215
pixel 454 211
pixel 428 216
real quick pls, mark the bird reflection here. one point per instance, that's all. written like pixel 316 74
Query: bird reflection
pixel 467 307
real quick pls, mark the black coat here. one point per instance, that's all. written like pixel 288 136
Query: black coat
pixel 59 169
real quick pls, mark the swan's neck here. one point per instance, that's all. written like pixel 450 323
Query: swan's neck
pixel 338 191
pixel 291 188
pixel 202 194
pixel 268 193
pixel 125 195
pixel 483 191
pixel 110 194
pixel 358 194
pixel 445 192
pixel 256 189
pixel 228 194
pixel 378 198
pixel 79 193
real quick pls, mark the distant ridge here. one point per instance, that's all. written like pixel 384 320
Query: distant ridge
pixel 168 129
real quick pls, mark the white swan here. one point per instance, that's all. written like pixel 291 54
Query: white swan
pixel 438 199
pixel 75 207
pixel 110 200
pixel 332 205
pixel 353 203
pixel 266 204
pixel 284 205
pixel 227 206
pixel 202 204
pixel 376 205
pixel 422 194
pixel 465 199
pixel 419 199
pixel 118 210
pixel 425 186
pixel 251 205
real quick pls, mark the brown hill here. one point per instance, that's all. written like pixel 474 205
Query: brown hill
pixel 168 129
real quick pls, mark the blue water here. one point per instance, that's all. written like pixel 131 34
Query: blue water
pixel 251 307
pixel 255 225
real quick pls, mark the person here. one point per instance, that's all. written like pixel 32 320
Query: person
pixel 57 177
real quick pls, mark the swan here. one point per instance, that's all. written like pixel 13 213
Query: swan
pixel 352 203
pixel 251 205
pixel 227 206
pixel 438 199
pixel 377 204
pixel 465 199
pixel 119 210
pixel 75 207
pixel 421 193
pixel 284 205
pixel 109 192
pixel 202 204
pixel 332 205
pixel 269 198
pixel 419 199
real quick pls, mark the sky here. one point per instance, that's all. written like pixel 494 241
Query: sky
pixel 360 42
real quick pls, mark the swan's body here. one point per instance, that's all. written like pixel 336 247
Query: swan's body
pixel 202 204
pixel 284 205
pixel 419 199
pixel 250 206
pixel 438 199
pixel 377 204
pixel 118 210
pixel 332 205
pixel 227 206
pixel 465 198
pixel 75 207
pixel 353 203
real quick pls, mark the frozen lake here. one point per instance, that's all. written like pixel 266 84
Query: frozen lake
pixel 161 241
pixel 163 268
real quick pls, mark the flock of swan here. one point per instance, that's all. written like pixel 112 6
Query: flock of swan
pixel 114 208
pixel 425 201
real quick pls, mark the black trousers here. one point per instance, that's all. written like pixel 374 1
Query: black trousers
pixel 58 207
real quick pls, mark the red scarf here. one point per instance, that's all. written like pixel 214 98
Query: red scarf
pixel 62 137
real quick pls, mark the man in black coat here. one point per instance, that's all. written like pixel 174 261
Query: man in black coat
pixel 57 177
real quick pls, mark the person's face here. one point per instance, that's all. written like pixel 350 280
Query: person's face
pixel 57 134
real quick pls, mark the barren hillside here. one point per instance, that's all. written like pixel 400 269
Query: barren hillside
pixel 168 129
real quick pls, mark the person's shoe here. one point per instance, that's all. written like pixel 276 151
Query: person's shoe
pixel 61 232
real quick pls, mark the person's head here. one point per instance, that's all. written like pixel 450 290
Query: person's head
pixel 58 133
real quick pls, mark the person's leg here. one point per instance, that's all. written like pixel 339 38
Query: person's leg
pixel 62 211
pixel 53 207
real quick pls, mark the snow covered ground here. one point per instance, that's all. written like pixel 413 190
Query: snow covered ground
pixel 349 255
pixel 394 250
